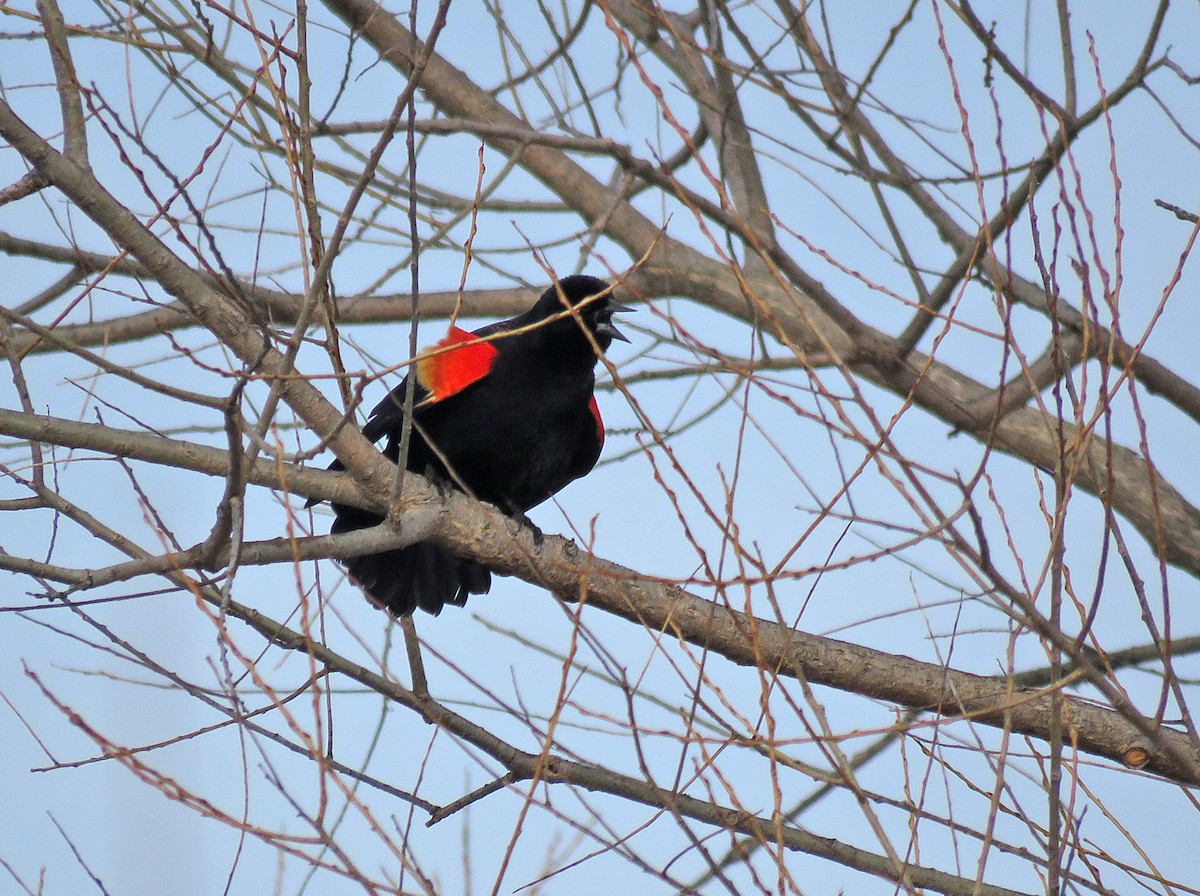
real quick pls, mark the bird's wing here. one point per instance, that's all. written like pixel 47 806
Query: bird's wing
pixel 456 362
pixel 444 369
pixel 595 409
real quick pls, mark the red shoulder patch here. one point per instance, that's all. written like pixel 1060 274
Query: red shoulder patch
pixel 595 409
pixel 454 363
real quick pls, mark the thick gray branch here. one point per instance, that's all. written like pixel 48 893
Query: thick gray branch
pixel 482 532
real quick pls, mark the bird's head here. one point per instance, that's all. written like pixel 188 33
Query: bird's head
pixel 594 300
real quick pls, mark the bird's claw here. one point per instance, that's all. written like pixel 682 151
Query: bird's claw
pixel 445 488
pixel 522 520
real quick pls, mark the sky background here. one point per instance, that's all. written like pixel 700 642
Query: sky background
pixel 787 465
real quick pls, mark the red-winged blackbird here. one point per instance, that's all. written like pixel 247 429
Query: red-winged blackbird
pixel 510 420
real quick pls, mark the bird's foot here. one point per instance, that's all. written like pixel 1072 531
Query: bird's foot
pixel 522 520
pixel 444 487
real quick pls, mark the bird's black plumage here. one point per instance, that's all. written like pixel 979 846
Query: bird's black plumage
pixel 511 421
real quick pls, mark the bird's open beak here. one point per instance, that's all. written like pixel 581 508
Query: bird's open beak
pixel 605 327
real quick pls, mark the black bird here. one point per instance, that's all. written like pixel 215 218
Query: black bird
pixel 506 414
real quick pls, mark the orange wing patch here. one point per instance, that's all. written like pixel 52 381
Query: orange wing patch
pixel 454 363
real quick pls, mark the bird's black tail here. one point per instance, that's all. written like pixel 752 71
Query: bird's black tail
pixel 420 575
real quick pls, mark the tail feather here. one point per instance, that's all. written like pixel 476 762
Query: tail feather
pixel 420 575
